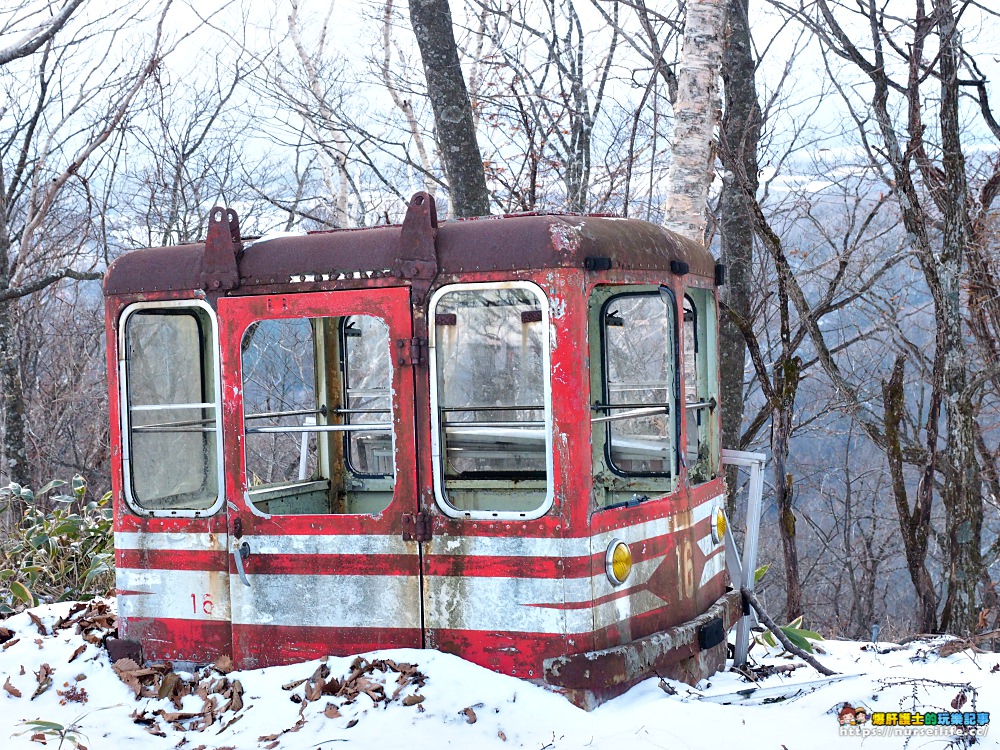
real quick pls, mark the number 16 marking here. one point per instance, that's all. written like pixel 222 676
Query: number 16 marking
pixel 207 605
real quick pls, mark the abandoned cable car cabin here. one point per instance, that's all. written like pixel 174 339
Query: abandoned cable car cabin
pixel 494 437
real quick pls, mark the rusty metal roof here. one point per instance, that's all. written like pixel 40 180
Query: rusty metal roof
pixel 507 243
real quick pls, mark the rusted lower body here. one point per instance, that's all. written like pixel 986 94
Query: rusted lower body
pixel 687 652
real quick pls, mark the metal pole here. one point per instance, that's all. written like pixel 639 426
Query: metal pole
pixel 751 542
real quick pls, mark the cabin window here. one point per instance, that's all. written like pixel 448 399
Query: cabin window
pixel 634 417
pixel 700 390
pixel 317 415
pixel 492 437
pixel 171 411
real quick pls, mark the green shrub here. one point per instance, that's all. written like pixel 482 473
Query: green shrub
pixel 61 548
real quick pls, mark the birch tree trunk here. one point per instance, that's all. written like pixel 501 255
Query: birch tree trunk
pixel 696 116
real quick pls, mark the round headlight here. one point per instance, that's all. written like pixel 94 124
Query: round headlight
pixel 719 525
pixel 618 562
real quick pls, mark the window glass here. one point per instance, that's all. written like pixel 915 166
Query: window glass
pixel 700 377
pixel 171 414
pixel 639 383
pixel 317 415
pixel 491 391
pixel 367 373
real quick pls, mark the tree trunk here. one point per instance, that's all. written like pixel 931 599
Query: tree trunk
pixel 696 114
pixel 787 374
pixel 913 525
pixel 453 121
pixel 740 135
pixel 14 452
pixel 962 493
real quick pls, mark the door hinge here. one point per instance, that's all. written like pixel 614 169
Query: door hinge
pixel 412 352
pixel 416 527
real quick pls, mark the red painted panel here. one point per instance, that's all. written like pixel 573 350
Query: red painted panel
pixel 162 559
pixel 200 641
pixel 257 645
pixel 270 645
pixel 333 565
pixel 518 654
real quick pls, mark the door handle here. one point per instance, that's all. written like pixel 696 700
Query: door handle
pixel 241 553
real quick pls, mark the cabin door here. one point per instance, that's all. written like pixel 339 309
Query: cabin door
pixel 320 472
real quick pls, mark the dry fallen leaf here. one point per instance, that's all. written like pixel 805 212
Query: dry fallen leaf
pixel 331 712
pixel 470 715
pixel 501 735
pixel 44 675
pixel 412 700
pixel 11 689
pixel 38 623
pixel 224 664
pixel 125 665
pixel 80 649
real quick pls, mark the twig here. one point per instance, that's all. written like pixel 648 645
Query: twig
pixel 780 635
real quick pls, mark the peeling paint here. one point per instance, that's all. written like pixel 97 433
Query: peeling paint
pixel 520 595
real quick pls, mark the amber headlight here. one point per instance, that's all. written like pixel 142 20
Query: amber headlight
pixel 618 562
pixel 719 525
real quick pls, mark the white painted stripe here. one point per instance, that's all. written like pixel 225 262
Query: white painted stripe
pixel 502 604
pixel 331 544
pixel 327 601
pixel 307 544
pixel 461 603
pixel 713 566
pixel 707 545
pixel 168 594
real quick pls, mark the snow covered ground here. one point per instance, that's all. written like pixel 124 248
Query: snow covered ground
pixel 52 672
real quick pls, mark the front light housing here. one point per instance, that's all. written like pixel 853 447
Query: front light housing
pixel 719 524
pixel 618 562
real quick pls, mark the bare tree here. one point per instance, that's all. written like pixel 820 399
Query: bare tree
pixel 68 105
pixel 550 90
pixel 454 124
pixel 930 185
pixel 740 134
pixel 41 28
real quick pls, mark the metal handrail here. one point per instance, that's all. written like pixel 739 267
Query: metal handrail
pixel 324 428
pixel 644 412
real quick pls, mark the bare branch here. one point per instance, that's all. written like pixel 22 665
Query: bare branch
pixel 40 35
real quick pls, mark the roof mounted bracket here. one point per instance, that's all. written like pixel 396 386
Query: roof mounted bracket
pixel 416 258
pixel 219 271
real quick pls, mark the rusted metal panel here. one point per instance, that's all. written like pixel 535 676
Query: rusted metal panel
pixel 596 676
pixel 468 246
pixel 222 245
pixel 171 573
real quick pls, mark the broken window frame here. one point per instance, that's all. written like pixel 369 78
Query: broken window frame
pixel 327 423
pixel 509 483
pixel 613 486
pixel 205 317
pixel 700 406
